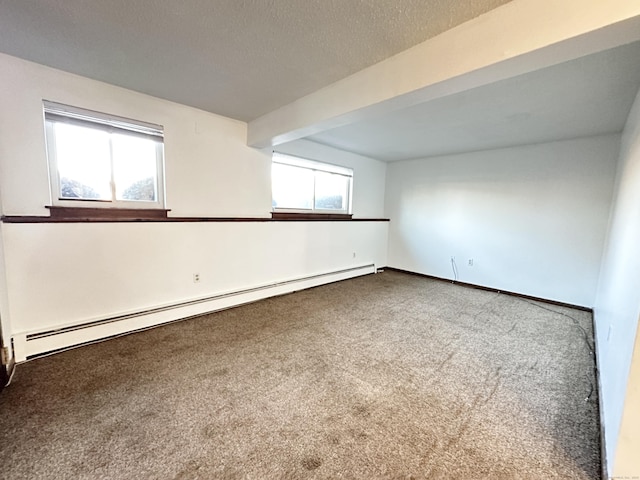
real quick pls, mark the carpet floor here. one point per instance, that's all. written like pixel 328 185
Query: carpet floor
pixel 384 376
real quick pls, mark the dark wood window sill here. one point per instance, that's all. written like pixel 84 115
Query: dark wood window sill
pixel 310 216
pixel 112 214
pixel 118 215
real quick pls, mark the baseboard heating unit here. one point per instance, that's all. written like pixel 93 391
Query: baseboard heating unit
pixel 28 345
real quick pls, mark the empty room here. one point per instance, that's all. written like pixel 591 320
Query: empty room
pixel 320 239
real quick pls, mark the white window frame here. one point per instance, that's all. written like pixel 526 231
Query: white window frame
pixel 314 166
pixel 56 112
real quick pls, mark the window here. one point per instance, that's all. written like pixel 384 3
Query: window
pixel 99 158
pixel 305 186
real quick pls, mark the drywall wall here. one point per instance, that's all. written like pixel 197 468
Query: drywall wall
pixel 93 271
pixel 5 325
pixel 67 274
pixel 209 171
pixel 368 174
pixel 626 462
pixel 617 303
pixel 532 218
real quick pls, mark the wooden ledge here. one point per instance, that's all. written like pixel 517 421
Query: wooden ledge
pixel 107 214
pixel 120 215
pixel 310 216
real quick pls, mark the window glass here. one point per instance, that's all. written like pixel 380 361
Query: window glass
pixel 292 187
pixel 83 162
pixel 101 157
pixel 310 186
pixel 134 168
pixel 331 191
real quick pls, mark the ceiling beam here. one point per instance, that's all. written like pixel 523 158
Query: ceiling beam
pixel 516 38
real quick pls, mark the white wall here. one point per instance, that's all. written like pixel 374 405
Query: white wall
pixel 532 218
pixel 5 325
pixel 626 463
pixel 209 169
pixel 617 303
pixel 66 274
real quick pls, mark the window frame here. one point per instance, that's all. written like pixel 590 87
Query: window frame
pixel 314 166
pixel 54 112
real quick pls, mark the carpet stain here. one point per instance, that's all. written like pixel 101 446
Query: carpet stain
pixel 211 430
pixel 128 352
pixel 96 384
pixel 358 434
pixel 215 373
pixel 148 415
pixel 494 389
pixel 190 470
pixel 311 463
pixel 179 349
pixel 444 362
pixel 513 327
pixel 361 411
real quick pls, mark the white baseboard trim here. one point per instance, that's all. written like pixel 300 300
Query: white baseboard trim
pixel 28 345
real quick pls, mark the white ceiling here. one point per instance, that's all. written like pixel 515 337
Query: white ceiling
pixel 587 96
pixel 246 58
pixel 238 58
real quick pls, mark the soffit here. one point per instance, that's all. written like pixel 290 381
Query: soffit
pixel 591 95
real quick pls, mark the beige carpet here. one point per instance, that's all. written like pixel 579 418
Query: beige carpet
pixel 384 376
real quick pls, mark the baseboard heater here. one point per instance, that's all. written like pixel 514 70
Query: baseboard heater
pixel 34 344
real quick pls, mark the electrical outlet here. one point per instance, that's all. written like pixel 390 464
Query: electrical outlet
pixel 471 262
pixel 196 278
pixel 354 254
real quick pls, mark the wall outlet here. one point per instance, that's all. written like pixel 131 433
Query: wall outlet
pixel 471 262
pixel 354 254
pixel 196 278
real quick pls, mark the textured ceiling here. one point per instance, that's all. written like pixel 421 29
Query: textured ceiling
pixel 587 96
pixel 238 58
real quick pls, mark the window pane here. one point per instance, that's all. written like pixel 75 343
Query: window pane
pixel 331 191
pixel 134 168
pixel 292 186
pixel 83 159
